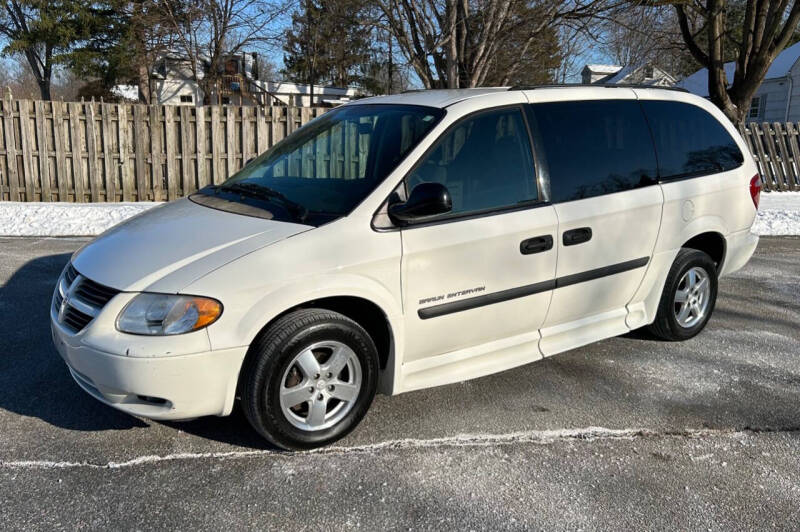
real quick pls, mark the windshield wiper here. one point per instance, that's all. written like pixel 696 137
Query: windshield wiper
pixel 254 190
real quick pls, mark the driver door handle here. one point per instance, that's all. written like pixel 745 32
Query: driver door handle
pixel 536 244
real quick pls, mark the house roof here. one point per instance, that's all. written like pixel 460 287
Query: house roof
pixel 623 73
pixel 604 69
pixel 697 83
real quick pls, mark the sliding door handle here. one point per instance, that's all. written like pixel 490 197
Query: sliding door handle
pixel 577 236
pixel 536 244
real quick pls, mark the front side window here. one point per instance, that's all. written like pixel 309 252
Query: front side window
pixel 689 141
pixel 595 147
pixel 485 162
pixel 327 167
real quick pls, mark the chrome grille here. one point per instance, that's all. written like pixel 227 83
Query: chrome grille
pixel 93 293
pixel 78 300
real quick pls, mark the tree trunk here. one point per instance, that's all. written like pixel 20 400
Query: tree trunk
pixel 44 88
pixel 143 82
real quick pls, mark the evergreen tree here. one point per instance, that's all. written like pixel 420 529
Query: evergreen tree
pixel 328 42
pixel 44 32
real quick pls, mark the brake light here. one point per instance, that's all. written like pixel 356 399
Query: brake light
pixel 755 189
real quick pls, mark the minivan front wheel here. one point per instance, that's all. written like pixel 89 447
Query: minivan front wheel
pixel 690 293
pixel 309 379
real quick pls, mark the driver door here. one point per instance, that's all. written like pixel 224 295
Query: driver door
pixel 480 276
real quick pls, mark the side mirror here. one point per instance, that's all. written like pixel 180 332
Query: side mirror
pixel 426 200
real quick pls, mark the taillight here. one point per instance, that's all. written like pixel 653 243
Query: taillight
pixel 755 189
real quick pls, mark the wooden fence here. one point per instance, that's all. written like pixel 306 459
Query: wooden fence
pixel 93 151
pixel 776 149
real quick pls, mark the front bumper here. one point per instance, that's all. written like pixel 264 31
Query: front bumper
pixel 165 387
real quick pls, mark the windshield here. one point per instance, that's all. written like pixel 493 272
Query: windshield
pixel 324 169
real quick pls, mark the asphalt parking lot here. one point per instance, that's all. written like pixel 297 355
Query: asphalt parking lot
pixel 626 433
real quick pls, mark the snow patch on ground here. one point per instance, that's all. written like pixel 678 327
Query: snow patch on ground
pixel 65 219
pixel 779 214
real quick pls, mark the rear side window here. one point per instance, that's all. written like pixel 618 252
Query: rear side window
pixel 689 141
pixel 595 147
pixel 485 162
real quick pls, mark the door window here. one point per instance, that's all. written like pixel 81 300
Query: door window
pixel 689 141
pixel 485 162
pixel 595 147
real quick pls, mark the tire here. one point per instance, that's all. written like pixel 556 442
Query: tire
pixel 278 371
pixel 669 324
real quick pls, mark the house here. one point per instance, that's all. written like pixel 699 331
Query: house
pixel 237 82
pixel 617 75
pixel 300 95
pixel 778 97
pixel 173 82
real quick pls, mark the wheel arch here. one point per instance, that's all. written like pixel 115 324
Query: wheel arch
pixel 366 313
pixel 712 243
pixel 367 309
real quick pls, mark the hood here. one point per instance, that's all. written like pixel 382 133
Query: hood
pixel 168 247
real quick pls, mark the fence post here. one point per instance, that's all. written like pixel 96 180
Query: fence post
pixel 245 136
pixel 25 140
pixel 139 153
pixel 200 145
pixel 124 145
pixel 61 161
pixel 44 157
pixel 230 148
pixel 216 144
pixel 109 169
pixel 156 153
pixel 91 148
pixel 170 149
pixel 75 149
pixel 262 142
pixel 186 159
pixel 11 149
pixel 773 156
pixel 767 173
pixel 791 133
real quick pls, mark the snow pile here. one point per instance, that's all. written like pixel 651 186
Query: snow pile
pixel 64 219
pixel 778 214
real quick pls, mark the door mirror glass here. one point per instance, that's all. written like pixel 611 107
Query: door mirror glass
pixel 426 200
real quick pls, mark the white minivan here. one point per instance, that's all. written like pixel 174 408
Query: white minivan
pixel 408 241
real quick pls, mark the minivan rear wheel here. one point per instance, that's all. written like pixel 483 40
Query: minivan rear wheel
pixel 309 379
pixel 689 296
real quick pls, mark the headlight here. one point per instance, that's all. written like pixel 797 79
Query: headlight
pixel 164 314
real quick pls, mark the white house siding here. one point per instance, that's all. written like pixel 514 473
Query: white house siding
pixel 169 91
pixel 794 108
pixel 775 92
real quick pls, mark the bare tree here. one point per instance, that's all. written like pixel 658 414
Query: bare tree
pixel 759 36
pixel 206 31
pixel 152 36
pixel 573 45
pixel 636 34
pixel 451 43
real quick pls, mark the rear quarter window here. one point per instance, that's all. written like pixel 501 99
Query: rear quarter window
pixel 689 141
pixel 594 147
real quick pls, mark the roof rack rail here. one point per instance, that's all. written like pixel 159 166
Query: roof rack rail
pixel 600 85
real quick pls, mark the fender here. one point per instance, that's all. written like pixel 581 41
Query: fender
pixel 709 223
pixel 642 308
pixel 303 291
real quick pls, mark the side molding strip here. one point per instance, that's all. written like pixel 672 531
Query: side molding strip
pixel 529 290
